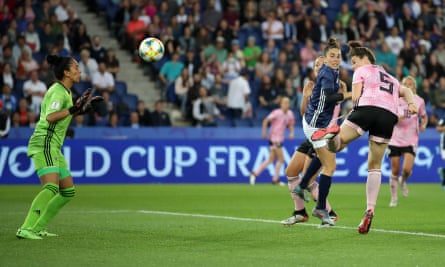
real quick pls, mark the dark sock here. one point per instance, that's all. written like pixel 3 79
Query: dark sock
pixel 311 171
pixel 323 191
pixel 300 212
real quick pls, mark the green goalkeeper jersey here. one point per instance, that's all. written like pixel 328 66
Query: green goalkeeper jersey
pixel 51 135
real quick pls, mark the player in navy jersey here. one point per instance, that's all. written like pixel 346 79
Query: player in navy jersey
pixel 319 113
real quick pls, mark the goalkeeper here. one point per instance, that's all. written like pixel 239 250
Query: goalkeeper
pixel 44 147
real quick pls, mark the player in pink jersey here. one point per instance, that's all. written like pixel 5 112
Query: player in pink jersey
pixel 375 94
pixel 404 141
pixel 279 119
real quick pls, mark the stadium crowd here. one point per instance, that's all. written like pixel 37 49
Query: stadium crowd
pixel 226 63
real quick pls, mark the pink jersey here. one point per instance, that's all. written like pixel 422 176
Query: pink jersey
pixel 278 123
pixel 406 131
pixel 380 89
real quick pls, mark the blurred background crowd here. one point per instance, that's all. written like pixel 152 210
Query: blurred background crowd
pixel 227 62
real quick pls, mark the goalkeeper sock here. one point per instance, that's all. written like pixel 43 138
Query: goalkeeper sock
pixel 39 203
pixel 54 206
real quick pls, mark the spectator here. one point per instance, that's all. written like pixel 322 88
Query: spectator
pixel 112 63
pixel 88 66
pixel 34 90
pixel 135 31
pixel 9 100
pixel 282 62
pixel 238 95
pixel 45 74
pixel 252 53
pixel 237 52
pixel 81 40
pixel 61 11
pixel 134 120
pixel 73 22
pixel 23 112
pixel 211 17
pixel 322 31
pixel 227 33
pixel 272 28
pixel 182 85
pixel 338 32
pixel 7 76
pixel 345 15
pixel 308 54
pixel 290 29
pixel 192 62
pixel 268 95
pixel 113 120
pixel 65 38
pixel 187 40
pixel 171 70
pixel 352 30
pixel 272 49
pixel 219 93
pixel 32 38
pixel 386 58
pixel 249 17
pixel 214 53
pixel 159 117
pixel 27 64
pixel 19 47
pixel 47 38
pixel 144 114
pixel 102 79
pixel 97 51
pixel 394 41
pixel 5 122
pixel 406 20
pixel 205 110
pixel 433 69
pixel 79 121
pixel 264 66
pixel 231 67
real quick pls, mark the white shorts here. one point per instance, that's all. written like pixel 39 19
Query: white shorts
pixel 308 131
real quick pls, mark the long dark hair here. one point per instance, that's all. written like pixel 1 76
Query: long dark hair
pixel 59 65
pixel 357 49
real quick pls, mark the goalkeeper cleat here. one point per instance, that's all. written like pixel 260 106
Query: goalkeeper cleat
pixel 325 133
pixel 252 178
pixel 27 234
pixel 301 193
pixel 323 215
pixel 365 224
pixel 296 218
pixel 45 233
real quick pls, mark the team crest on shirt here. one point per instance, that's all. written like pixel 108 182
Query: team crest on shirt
pixel 55 105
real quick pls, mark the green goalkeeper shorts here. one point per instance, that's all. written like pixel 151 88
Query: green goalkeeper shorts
pixel 51 161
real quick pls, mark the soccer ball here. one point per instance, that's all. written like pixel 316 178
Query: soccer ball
pixel 151 49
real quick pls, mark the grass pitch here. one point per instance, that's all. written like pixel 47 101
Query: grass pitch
pixel 223 225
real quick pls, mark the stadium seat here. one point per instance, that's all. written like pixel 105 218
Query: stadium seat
pixel 261 113
pixel 120 87
pixel 80 87
pixel 131 100
pixel 227 122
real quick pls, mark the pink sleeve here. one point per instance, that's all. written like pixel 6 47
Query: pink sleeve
pixel 357 77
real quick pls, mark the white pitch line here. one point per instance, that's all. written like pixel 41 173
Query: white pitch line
pixel 277 222
pixel 231 218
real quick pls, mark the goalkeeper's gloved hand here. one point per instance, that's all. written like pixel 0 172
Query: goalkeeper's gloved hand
pixel 89 105
pixel 80 102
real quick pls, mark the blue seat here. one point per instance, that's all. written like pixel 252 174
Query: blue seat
pixel 261 113
pixel 120 87
pixel 82 86
pixel 227 122
pixel 131 100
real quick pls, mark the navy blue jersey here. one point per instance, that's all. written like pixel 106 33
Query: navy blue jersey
pixel 318 112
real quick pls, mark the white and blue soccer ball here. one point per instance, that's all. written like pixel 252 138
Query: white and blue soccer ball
pixel 151 49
